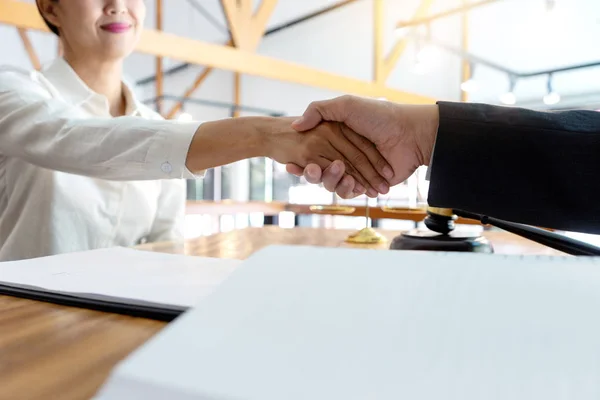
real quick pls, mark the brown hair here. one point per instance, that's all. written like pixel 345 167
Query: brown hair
pixel 52 28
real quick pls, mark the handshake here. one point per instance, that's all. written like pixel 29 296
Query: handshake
pixel 358 146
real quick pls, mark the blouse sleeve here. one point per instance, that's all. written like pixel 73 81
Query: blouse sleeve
pixel 53 134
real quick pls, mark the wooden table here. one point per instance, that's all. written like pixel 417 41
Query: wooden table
pixel 55 352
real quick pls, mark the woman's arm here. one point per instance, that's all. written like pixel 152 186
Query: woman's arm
pixel 50 133
pixel 242 138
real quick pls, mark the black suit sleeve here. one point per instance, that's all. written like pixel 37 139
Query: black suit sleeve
pixel 537 168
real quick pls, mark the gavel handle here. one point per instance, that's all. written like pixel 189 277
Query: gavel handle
pixel 550 239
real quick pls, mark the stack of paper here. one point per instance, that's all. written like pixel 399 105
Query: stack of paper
pixel 121 274
pixel 314 323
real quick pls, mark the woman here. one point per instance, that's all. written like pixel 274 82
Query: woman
pixel 84 165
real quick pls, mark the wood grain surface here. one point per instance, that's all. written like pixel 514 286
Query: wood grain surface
pixel 55 352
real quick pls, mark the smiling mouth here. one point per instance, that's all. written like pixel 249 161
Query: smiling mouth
pixel 117 27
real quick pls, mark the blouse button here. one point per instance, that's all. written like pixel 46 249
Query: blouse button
pixel 166 168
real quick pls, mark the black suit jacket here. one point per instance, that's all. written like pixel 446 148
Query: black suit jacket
pixel 537 168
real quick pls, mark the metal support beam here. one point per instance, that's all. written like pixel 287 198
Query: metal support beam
pixel 476 60
pixel 218 104
pixel 561 69
pixel 166 72
pixel 470 57
pixel 198 7
pixel 309 16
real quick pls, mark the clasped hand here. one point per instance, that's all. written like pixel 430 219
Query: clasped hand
pixel 403 134
pixel 334 147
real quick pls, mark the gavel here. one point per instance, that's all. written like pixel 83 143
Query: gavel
pixel 440 235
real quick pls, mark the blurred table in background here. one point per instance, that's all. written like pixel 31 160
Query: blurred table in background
pixel 272 210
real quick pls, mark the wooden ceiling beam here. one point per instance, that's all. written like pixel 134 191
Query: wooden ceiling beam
pixel 35 60
pixel 190 91
pixel 378 34
pixel 246 28
pixel 392 59
pixel 260 21
pixel 237 98
pixel 236 21
pixel 466 66
pixel 159 59
pixel 164 44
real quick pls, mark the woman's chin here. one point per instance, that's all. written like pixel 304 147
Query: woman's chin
pixel 115 52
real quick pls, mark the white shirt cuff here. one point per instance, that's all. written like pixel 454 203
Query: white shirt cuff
pixel 170 151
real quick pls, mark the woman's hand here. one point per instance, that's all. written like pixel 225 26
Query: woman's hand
pixel 225 141
pixel 327 142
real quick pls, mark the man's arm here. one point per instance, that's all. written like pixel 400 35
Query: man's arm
pixel 538 168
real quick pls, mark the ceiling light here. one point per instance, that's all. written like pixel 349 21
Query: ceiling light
pixel 551 96
pixel 469 86
pixel 509 97
pixel 420 68
pixel 401 32
pixel 428 54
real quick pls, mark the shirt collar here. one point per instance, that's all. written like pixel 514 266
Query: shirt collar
pixel 77 93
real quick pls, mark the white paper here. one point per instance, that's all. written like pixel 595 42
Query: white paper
pixel 315 323
pixel 122 273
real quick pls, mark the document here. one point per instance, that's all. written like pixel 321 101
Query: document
pixel 354 324
pixel 127 275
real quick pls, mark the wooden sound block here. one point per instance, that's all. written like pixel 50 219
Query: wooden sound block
pixel 432 241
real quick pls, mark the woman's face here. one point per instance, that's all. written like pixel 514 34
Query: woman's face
pixel 108 29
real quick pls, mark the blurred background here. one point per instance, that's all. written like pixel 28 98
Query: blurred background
pixel 540 54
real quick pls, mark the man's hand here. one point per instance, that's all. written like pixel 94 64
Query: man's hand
pixel 403 134
pixel 325 143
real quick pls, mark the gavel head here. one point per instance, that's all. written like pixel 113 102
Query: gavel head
pixel 440 220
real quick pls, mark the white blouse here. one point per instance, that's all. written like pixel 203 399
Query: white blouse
pixel 74 178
